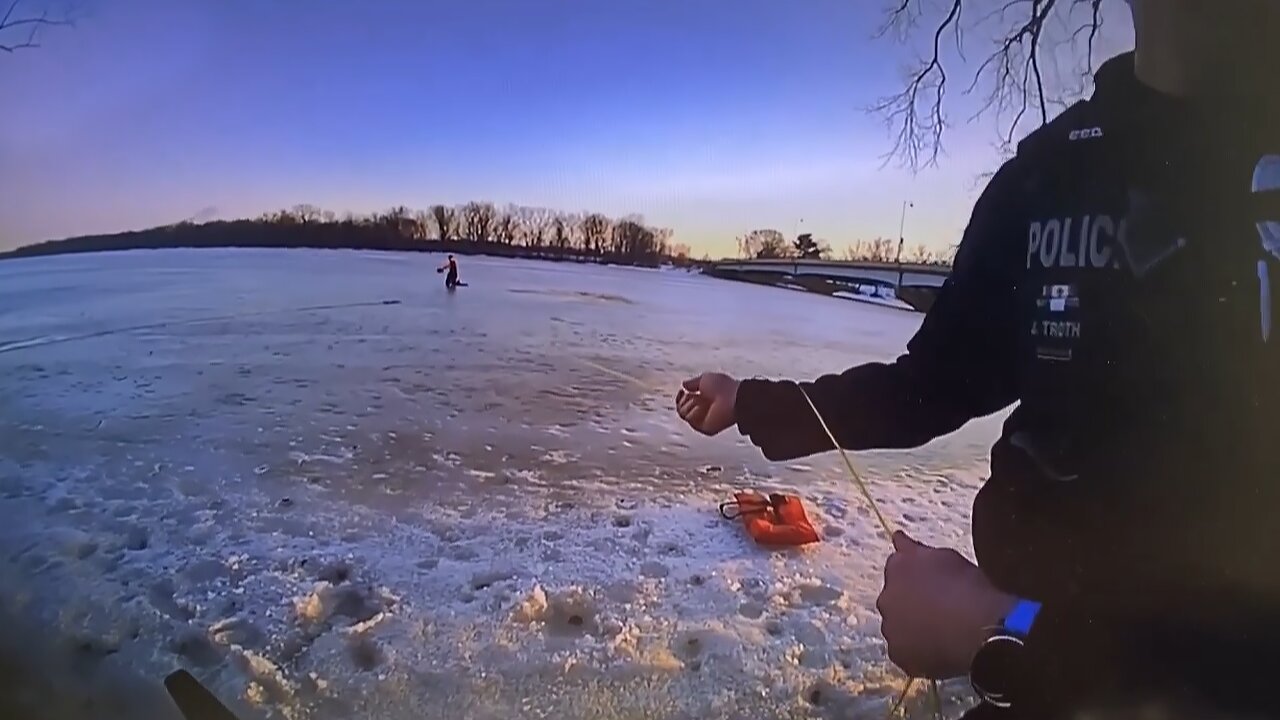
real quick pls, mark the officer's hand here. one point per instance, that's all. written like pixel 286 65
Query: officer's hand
pixel 707 402
pixel 936 609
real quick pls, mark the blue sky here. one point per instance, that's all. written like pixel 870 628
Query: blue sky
pixel 712 117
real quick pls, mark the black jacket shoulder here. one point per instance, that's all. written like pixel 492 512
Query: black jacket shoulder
pixel 1115 87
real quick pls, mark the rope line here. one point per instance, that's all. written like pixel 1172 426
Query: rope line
pixel 888 533
pixel 41 342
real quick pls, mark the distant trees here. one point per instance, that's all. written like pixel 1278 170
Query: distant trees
pixel 305 213
pixel 478 226
pixel 766 243
pixel 808 248
pixel 680 254
pixel 561 230
pixel 877 250
pixel 631 239
pixel 446 222
pixel 471 227
pixel 885 250
pixel 506 226
pixel 477 221
pixel 594 230
pixel 920 254
pixel 535 226
pixel 769 243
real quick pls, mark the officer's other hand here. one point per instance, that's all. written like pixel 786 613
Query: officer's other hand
pixel 707 401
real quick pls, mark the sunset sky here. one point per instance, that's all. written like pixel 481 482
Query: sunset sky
pixel 707 116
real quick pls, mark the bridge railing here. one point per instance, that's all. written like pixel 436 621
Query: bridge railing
pixel 915 284
pixel 929 268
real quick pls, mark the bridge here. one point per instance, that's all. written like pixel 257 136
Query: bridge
pixel 916 285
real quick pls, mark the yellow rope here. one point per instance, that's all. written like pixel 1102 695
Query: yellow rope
pixel 888 533
pixel 615 373
pixel 853 473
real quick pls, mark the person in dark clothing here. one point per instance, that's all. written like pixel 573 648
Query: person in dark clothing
pixel 450 278
pixel 1114 282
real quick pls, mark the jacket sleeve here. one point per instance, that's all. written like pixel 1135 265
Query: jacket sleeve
pixel 958 366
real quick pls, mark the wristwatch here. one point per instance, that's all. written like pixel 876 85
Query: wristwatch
pixel 996 670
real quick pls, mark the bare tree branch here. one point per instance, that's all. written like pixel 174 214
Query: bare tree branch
pixel 1019 76
pixel 8 22
pixel 902 19
pixel 917 135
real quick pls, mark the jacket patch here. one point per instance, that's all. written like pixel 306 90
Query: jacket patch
pixel 1073 242
pixel 1056 329
pixel 1085 134
pixel 1057 298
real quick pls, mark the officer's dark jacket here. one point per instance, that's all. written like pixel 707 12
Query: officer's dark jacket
pixel 1118 282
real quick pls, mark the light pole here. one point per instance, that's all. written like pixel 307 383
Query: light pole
pixel 902 224
pixel 795 262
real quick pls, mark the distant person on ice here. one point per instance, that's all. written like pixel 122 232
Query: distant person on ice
pixel 451 279
pixel 1116 282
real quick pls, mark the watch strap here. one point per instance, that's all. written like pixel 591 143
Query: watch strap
pixel 994 671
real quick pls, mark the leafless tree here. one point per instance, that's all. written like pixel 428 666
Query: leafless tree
pixel 506 226
pixel 806 247
pixel 478 220
pixel 445 221
pixel 662 241
pixel 948 256
pixel 593 232
pixel 766 243
pixel 921 254
pixel 562 230
pixel 1020 75
pixel 629 237
pixel 306 213
pixel 401 222
pixel 421 225
pixel 20 30
pixel 535 225
pixel 625 233
pixel 878 250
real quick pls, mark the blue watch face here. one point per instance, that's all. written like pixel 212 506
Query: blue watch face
pixel 1022 617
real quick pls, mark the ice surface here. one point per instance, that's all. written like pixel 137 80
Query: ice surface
pixel 443 508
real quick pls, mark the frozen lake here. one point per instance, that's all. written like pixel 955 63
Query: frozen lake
pixel 451 507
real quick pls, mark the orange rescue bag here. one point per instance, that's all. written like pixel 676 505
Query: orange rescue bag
pixel 778 519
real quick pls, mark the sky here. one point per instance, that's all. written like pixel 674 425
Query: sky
pixel 711 117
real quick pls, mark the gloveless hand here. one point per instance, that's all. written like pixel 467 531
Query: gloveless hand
pixel 936 609
pixel 707 402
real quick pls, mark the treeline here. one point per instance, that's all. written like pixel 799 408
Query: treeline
pixel 772 244
pixel 474 227
pixel 886 250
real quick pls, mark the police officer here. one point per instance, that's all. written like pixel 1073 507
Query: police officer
pixel 1115 283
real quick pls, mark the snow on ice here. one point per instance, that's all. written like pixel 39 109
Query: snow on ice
pixel 431 509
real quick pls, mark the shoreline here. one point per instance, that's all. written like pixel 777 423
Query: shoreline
pixel 492 250
pixel 818 286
